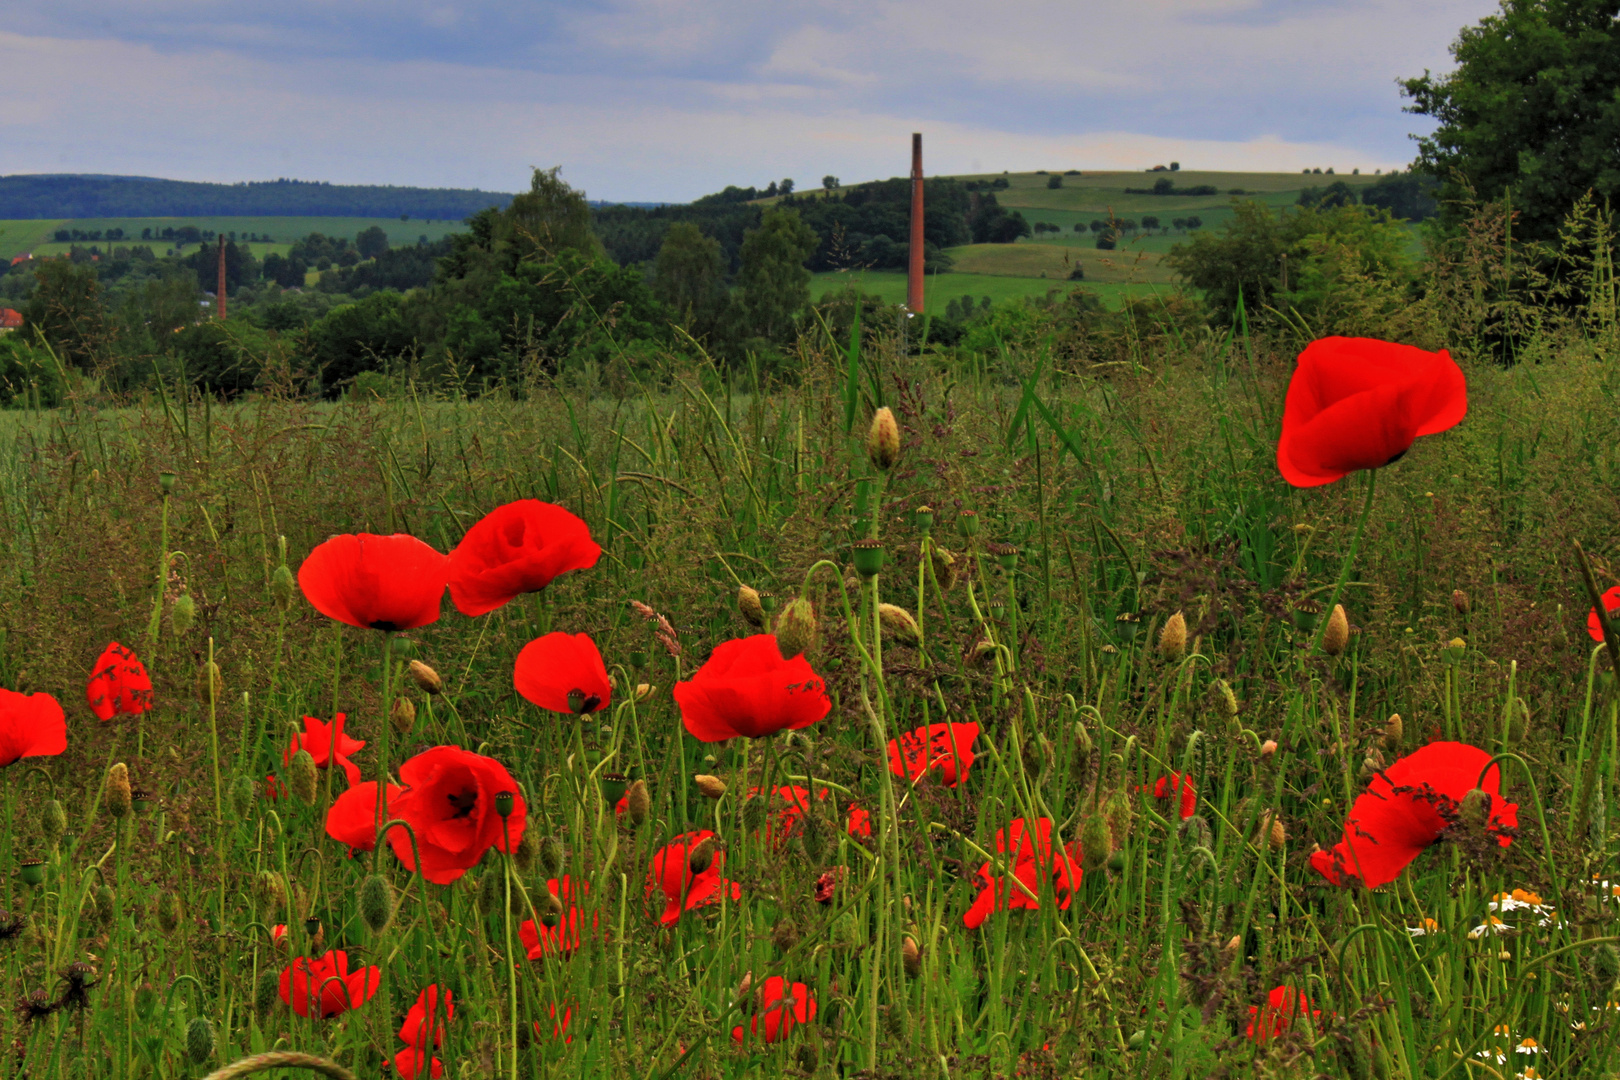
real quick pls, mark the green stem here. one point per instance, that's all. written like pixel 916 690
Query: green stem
pixel 1349 557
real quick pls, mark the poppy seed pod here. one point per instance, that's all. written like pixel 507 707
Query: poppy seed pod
pixel 1475 808
pixel 504 802
pixel 402 716
pixel 168 911
pixel 1305 612
pixel 967 523
pixel 701 857
pixel 551 856
pixel 750 607
pixel 868 557
pixel 301 779
pixel 1095 842
pixel 116 793
pixel 376 902
pixel 199 1040
pixel 899 624
pixel 1337 634
pixel 711 787
pixel 283 587
pixel 53 822
pixel 883 439
pixel 182 613
pixel 911 956
pixel 425 677
pixel 923 519
pixel 796 628
pixel 1173 638
pixel 210 683
pixel 1393 730
pixel 638 802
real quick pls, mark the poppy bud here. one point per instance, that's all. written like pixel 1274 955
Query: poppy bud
pixel 1475 808
pixel 1268 749
pixel 898 624
pixel 1606 966
pixel 283 587
pixel 796 628
pixel 785 935
pixel 551 909
pixel 911 956
pixel 551 856
pixel 1118 812
pixel 644 691
pixel 182 613
pixel 1518 725
pixel 809 1058
pixel 116 793
pixel 53 822
pixel 527 852
pixel 106 904
pixel 270 891
pixel 267 991
pixel 376 902
pixel 168 910
pixel 210 684
pixel 402 715
pixel 967 523
pixel 242 791
pixel 1371 764
pixel 1173 638
pixel 199 1040
pixel 1393 730
pixel 753 813
pixel 1225 700
pixel 1096 844
pixel 1597 818
pixel 1337 634
pixel 638 802
pixel 883 439
pixel 301 780
pixel 492 889
pixel 710 786
pixel 425 677
pixel 1233 945
pixel 982 649
pixel 943 565
pixel 750 607
pixel 701 856
pixel 1195 833
pixel 1273 830
pixel 1459 601
pixel 867 556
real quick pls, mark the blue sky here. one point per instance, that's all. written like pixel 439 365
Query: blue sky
pixel 669 99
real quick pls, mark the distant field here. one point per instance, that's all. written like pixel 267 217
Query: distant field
pixel 19 236
pixel 941 289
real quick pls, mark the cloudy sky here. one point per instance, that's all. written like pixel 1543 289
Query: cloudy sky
pixel 669 99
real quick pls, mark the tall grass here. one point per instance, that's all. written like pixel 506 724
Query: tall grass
pixel 1137 488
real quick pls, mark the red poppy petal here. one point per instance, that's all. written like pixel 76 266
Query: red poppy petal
pixel 31 725
pixel 517 548
pixel 549 668
pixel 1611 605
pixel 377 582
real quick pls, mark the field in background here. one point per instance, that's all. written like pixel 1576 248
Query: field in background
pixel 941 289
pixel 19 236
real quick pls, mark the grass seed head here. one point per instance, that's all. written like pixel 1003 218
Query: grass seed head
pixel 796 628
pixel 376 902
pixel 899 624
pixel 425 677
pixel 1173 638
pixel 883 439
pixel 1337 634
pixel 1225 701
pixel 116 794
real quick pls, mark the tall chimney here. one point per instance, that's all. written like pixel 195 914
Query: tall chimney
pixel 914 282
pixel 220 297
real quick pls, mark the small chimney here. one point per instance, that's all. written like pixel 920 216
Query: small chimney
pixel 914 283
pixel 221 294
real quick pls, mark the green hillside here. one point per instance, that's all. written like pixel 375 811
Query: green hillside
pixel 19 236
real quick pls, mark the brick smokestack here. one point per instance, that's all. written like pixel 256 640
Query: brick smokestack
pixel 914 281
pixel 220 296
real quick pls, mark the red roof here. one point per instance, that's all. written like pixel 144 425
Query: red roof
pixel 21 258
pixel 9 319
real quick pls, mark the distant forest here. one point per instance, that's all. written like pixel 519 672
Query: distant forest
pixel 81 196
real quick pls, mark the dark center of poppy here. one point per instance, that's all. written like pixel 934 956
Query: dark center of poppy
pixel 463 801
pixel 1397 457
pixel 581 702
pixel 385 626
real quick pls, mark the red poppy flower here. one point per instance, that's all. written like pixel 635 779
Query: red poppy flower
pixel 747 690
pixel 944 748
pixel 860 824
pixel 684 890
pixel 827 884
pixel 118 684
pixel 448 798
pixel 1406 808
pixel 31 725
pixel 408 1062
pixel 1165 786
pixel 352 817
pixel 515 549
pixel 327 982
pixel 427 1014
pixel 1358 403
pixel 564 937
pixel 278 934
pixel 375 582
pixel 1611 604
pixel 1031 859
pixel 1283 1004
pixel 781 1008
pixel 782 824
pixel 317 739
pixel 563 673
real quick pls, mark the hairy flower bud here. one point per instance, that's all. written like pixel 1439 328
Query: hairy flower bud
pixel 638 802
pixel 182 613
pixel 1118 812
pixel 750 607
pixel 1337 634
pixel 883 439
pixel 1225 701
pixel 301 779
pixel 796 628
pixel 116 794
pixel 911 956
pixel 1394 728
pixel 785 934
pixel 1475 808
pixel 527 852
pixel 425 677
pixel 943 565
pixel 376 902
pixel 168 910
pixel 267 991
pixel 402 716
pixel 711 787
pixel 701 857
pixel 899 624
pixel 1268 749
pixel 1459 601
pixel 283 587
pixel 210 683
pixel 551 856
pixel 199 1040
pixel 1173 638
pixel 52 822
pixel 1096 843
